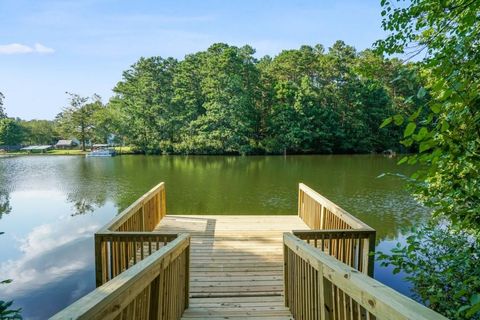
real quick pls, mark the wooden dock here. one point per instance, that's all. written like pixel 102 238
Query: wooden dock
pixel 236 264
pixel 315 265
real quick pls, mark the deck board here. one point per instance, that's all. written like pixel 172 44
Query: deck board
pixel 236 266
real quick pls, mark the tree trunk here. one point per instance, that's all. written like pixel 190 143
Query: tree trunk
pixel 83 138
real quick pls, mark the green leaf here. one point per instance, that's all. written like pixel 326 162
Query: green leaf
pixel 475 299
pixel 473 310
pixel 436 107
pixel 403 160
pixel 463 308
pixel 445 126
pixel 407 142
pixel 422 133
pixel 409 129
pixel 424 146
pixel 386 122
pixel 421 93
pixel 398 119
pixel 415 114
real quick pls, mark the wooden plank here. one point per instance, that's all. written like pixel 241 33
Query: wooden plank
pixel 236 264
pixel 127 290
pixel 375 297
pixel 352 221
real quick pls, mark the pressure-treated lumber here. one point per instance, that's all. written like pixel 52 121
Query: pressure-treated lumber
pixel 321 287
pixel 154 288
pixel 128 237
pixel 236 265
pixel 153 266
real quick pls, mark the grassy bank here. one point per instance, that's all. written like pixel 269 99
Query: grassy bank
pixel 69 152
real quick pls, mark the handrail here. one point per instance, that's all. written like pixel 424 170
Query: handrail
pixel 115 252
pixel 320 213
pixel 155 288
pixel 157 193
pixel 129 237
pixel 336 232
pixel 317 286
pixel 353 247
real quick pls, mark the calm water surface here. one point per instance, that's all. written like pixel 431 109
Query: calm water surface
pixel 50 206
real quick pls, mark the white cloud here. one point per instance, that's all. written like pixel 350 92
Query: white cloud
pixel 17 48
pixel 40 48
pixel 14 48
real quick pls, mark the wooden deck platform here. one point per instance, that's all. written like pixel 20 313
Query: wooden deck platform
pixel 236 266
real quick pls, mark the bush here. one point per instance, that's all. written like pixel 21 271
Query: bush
pixel 443 264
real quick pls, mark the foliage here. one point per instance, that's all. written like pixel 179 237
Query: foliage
pixel 6 313
pixel 39 132
pixel 11 132
pixel 446 131
pixel 2 110
pixel 144 100
pixel 224 100
pixel 442 263
pixel 77 119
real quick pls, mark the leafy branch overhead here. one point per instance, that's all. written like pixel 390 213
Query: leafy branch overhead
pixel 445 130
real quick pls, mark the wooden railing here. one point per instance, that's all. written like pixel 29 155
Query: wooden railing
pixel 154 288
pixel 318 286
pixel 336 232
pixel 129 238
pixel 319 213
pixel 352 247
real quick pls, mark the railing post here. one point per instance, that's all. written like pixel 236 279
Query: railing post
pixel 371 250
pixel 322 218
pixel 187 274
pixel 99 268
pixel 158 208
pixel 299 209
pixel 321 294
pixel 285 275
pixel 154 312
pixel 164 201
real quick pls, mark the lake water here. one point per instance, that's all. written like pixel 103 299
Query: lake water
pixel 50 206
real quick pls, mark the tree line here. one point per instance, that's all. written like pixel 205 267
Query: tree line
pixel 226 101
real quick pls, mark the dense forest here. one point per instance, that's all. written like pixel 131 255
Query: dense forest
pixel 225 100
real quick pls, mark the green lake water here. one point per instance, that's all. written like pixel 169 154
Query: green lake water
pixel 50 206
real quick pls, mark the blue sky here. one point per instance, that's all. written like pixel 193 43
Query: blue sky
pixel 48 47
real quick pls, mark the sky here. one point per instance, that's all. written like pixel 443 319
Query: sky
pixel 50 47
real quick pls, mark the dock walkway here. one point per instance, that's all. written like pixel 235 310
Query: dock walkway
pixel 236 264
pixel 315 265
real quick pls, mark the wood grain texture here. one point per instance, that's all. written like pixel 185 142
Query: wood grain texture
pixel 236 264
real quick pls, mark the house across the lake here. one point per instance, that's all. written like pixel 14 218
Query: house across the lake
pixel 66 144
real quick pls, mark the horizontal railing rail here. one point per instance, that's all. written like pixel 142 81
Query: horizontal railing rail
pixel 335 231
pixel 317 286
pixel 354 247
pixel 115 252
pixel 154 288
pixel 128 238
pixel 320 213
pixel 142 215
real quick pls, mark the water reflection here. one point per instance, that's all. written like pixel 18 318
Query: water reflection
pixel 5 207
pixel 55 205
